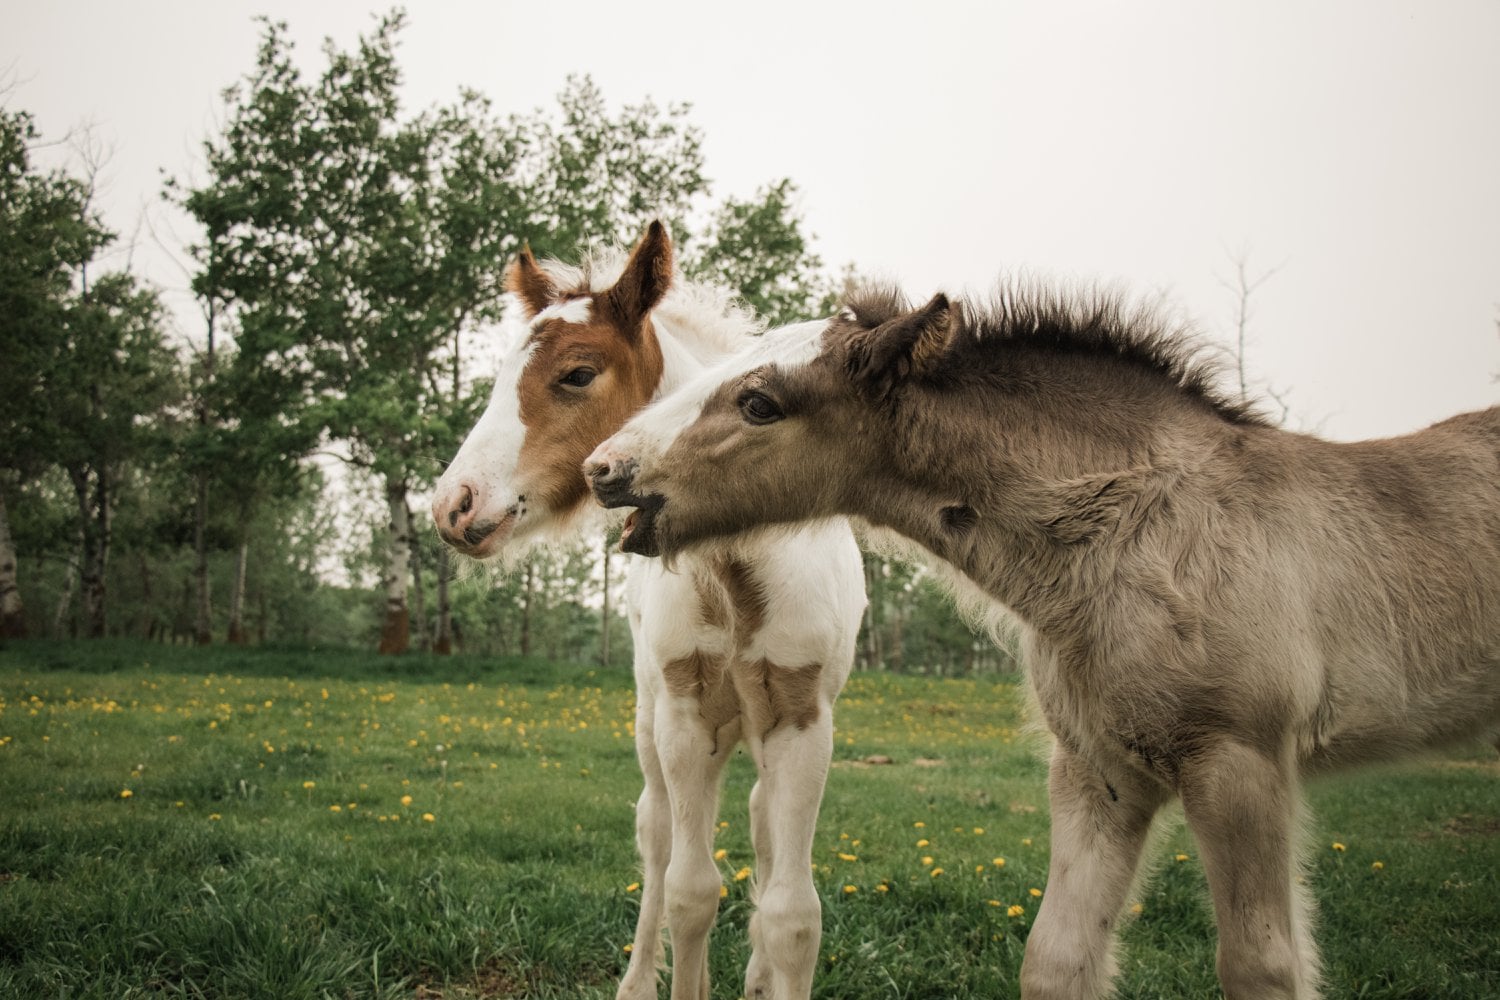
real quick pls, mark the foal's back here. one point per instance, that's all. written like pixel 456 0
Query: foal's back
pixel 1379 570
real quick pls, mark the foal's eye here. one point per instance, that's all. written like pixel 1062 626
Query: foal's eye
pixel 759 409
pixel 579 377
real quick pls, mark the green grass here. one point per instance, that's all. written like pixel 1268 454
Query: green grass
pixel 228 872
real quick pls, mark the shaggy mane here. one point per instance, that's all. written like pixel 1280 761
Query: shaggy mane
pixel 1088 321
pixel 709 316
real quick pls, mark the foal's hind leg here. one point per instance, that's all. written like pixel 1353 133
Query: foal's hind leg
pixel 1098 832
pixel 1242 804
pixel 786 927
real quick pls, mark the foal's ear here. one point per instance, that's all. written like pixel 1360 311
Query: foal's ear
pixel 526 278
pixel 647 276
pixel 908 345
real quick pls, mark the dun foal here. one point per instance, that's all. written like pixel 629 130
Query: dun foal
pixel 1212 608
pixel 750 640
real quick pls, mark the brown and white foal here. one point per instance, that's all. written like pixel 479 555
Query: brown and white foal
pixel 751 640
pixel 1212 608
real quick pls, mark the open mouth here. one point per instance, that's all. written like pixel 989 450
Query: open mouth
pixel 639 534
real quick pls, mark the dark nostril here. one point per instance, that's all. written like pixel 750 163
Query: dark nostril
pixel 463 510
pixel 599 470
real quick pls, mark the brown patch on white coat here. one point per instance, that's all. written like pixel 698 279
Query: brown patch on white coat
pixel 737 683
pixel 589 359
pixel 755 642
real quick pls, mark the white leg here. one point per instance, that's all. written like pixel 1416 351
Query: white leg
pixel 692 763
pixel 1098 832
pixel 653 834
pixel 1241 804
pixel 786 929
pixel 758 972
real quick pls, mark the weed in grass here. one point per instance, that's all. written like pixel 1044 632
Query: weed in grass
pixel 228 871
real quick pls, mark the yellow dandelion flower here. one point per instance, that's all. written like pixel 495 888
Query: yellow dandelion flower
pixel 1015 910
pixel 1179 857
pixel 998 862
pixel 882 887
pixel 720 854
pixel 309 784
pixel 926 860
pixel 214 817
pixel 848 857
pixel 629 948
pixel 429 818
pixel 936 872
pixel 923 842
pixel 1337 846
pixel 1137 908
pixel 978 830
pixel 919 824
pixel 850 889
pixel 126 793
pixel 1035 893
pixel 723 891
pixel 335 808
pixel 994 902
pixel 406 800
pixel 632 887
pixel 742 874
pixel 1378 865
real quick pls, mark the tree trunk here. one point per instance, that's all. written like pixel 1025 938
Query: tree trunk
pixel 874 595
pixel 94 520
pixel 12 614
pixel 60 617
pixel 604 619
pixel 896 652
pixel 443 643
pixel 203 633
pixel 395 630
pixel 147 624
pixel 237 634
pixel 526 599
pixel 418 595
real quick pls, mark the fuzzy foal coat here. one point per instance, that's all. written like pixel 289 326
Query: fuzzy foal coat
pixel 1211 607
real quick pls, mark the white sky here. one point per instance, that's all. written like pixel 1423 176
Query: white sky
pixel 1353 145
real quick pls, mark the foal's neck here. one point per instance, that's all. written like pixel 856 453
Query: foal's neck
pixel 1043 498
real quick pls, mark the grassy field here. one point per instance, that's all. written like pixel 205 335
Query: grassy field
pixel 292 824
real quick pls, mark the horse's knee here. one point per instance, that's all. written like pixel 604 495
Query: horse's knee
pixel 787 927
pixel 1059 967
pixel 692 897
pixel 1268 971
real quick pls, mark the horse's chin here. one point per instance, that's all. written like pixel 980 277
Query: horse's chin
pixel 639 535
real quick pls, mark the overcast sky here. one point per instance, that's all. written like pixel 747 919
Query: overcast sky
pixel 1354 147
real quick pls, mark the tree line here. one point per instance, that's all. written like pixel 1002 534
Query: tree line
pixel 224 482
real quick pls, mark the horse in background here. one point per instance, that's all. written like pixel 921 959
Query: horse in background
pixel 1211 608
pixel 751 640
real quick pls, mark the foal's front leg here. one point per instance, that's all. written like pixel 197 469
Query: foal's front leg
pixel 692 761
pixel 787 927
pixel 653 835
pixel 1098 832
pixel 1241 803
